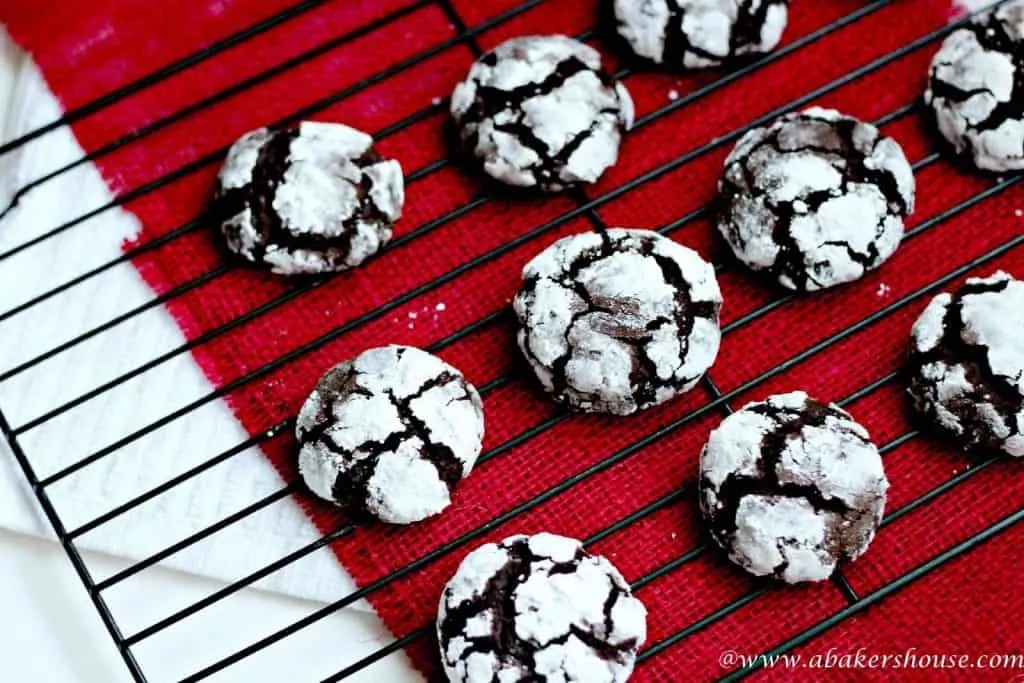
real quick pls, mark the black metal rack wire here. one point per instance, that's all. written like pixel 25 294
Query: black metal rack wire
pixel 585 207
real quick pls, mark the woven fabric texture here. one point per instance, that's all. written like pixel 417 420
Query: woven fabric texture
pixel 421 291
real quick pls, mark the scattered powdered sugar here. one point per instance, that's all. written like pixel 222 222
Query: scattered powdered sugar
pixel 883 290
pixel 673 95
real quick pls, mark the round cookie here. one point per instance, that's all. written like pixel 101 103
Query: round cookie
pixel 389 434
pixel 311 199
pixel 815 199
pixel 791 487
pixel 619 321
pixel 540 112
pixel 541 609
pixel 699 33
pixel 976 89
pixel 967 364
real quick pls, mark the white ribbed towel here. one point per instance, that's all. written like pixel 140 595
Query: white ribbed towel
pixel 146 463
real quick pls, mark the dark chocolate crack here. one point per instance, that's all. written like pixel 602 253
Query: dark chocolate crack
pixel 350 489
pixel 988 388
pixel 836 145
pixel 491 101
pixel 677 42
pixel 503 642
pixel 848 525
pixel 749 25
pixel 745 32
pixel 992 35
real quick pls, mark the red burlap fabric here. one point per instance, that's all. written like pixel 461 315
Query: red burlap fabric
pixel 972 605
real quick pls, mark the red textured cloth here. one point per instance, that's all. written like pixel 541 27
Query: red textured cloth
pixel 973 605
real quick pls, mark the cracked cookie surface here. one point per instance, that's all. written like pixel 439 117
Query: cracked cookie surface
pixel 540 112
pixel 976 89
pixel 541 609
pixel 699 33
pixel 311 199
pixel 791 487
pixel 815 200
pixel 389 434
pixel 967 364
pixel 619 321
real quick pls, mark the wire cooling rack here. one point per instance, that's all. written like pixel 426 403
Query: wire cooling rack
pixel 585 207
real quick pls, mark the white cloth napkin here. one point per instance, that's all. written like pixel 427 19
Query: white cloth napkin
pixel 189 508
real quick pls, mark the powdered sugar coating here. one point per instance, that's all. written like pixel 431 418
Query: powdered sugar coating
pixel 619 321
pixel 310 199
pixel 538 608
pixel 976 88
pixel 816 199
pixel 539 111
pixel 389 433
pixel 699 33
pixel 967 364
pixel 791 487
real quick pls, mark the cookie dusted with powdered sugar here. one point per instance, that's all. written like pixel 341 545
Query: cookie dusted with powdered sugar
pixel 791 487
pixel 389 434
pixel 619 321
pixel 699 33
pixel 976 89
pixel 967 364
pixel 816 199
pixel 311 199
pixel 540 112
pixel 540 609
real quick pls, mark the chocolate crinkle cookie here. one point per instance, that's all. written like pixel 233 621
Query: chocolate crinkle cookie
pixel 976 89
pixel 618 321
pixel 389 434
pixel 699 33
pixel 311 199
pixel 540 112
pixel 791 487
pixel 540 609
pixel 967 364
pixel 815 199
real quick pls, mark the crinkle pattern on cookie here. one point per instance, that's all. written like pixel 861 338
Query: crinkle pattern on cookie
pixel 698 33
pixel 976 89
pixel 619 321
pixel 540 112
pixel 540 609
pixel 967 364
pixel 791 487
pixel 389 434
pixel 815 199
pixel 311 199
